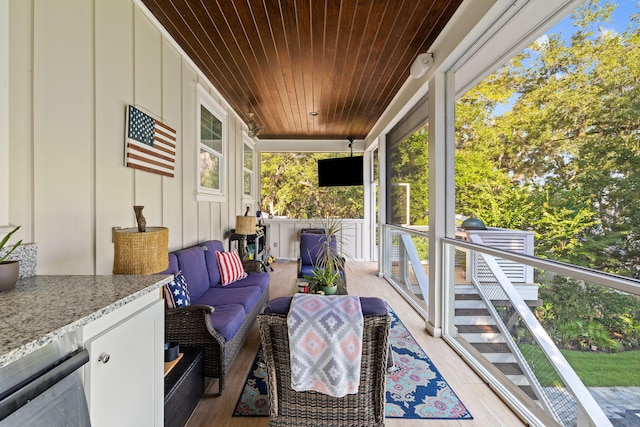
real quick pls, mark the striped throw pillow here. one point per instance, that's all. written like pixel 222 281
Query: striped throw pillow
pixel 231 268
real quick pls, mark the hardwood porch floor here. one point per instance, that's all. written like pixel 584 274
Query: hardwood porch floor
pixel 487 409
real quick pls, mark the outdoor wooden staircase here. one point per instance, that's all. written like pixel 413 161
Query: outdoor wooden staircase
pixel 478 328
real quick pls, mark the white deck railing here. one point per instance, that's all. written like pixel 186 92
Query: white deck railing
pixel 493 285
pixel 494 275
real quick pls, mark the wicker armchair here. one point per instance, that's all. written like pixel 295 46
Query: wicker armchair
pixel 310 408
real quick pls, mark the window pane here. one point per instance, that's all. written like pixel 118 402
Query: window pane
pixel 210 130
pixel 408 180
pixel 247 183
pixel 209 170
pixel 248 157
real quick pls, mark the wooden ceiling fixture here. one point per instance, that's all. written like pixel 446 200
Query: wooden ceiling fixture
pixel 285 60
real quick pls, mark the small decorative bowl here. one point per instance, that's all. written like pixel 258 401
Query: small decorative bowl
pixel 171 351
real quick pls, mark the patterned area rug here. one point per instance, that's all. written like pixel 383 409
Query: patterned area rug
pixel 415 388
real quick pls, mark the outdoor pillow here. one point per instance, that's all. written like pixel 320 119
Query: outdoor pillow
pixel 176 293
pixel 231 268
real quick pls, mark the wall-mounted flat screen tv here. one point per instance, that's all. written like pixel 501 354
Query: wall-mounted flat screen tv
pixel 341 171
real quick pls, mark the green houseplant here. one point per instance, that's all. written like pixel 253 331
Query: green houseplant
pixel 328 273
pixel 324 279
pixel 8 269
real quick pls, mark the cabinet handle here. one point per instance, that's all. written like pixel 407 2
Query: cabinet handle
pixel 104 358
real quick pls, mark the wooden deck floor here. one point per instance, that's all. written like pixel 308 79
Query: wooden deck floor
pixel 486 408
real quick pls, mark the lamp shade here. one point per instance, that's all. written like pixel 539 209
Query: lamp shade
pixel 245 224
pixel 140 252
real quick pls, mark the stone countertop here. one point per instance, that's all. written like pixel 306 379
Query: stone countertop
pixel 42 308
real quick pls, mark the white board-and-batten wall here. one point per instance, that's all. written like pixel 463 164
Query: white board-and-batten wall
pixel 74 66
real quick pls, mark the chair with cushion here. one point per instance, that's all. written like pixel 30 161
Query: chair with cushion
pixel 311 408
pixel 311 246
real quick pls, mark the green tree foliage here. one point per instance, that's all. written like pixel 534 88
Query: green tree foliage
pixel 589 317
pixel 567 151
pixel 289 187
pixel 564 161
pixel 409 165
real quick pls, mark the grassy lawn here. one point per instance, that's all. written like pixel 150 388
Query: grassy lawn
pixel 594 369
pixel 605 370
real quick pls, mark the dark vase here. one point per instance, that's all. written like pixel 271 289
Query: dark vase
pixel 142 222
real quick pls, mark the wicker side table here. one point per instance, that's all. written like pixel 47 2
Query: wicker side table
pixel 183 387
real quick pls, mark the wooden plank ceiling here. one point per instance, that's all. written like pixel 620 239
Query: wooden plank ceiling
pixel 281 60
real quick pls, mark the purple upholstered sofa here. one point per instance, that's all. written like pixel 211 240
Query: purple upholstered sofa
pixel 218 318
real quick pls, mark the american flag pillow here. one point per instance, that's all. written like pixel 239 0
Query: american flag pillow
pixel 176 293
pixel 231 268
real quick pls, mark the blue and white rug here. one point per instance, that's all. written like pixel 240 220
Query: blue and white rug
pixel 415 388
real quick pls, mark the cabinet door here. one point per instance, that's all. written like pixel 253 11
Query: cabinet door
pixel 124 373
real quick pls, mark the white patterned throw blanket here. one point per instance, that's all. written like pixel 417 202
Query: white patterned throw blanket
pixel 325 341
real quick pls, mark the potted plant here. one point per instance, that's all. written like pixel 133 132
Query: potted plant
pixel 8 269
pixel 324 279
pixel 328 273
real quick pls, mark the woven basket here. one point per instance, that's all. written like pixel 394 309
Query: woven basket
pixel 140 253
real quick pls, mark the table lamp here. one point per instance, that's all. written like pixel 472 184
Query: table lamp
pixel 245 225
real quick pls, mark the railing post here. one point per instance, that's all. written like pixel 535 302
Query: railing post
pixel 448 290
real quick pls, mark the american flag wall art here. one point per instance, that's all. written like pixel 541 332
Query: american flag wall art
pixel 150 145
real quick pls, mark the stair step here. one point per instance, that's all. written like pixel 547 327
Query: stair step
pixel 463 297
pixel 492 347
pixel 478 329
pixel 519 380
pixel 500 357
pixel 473 320
pixel 509 368
pixel 471 312
pixel 465 289
pixel 480 338
pixel 529 391
pixel 470 304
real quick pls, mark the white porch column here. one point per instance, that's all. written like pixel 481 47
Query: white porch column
pixel 441 191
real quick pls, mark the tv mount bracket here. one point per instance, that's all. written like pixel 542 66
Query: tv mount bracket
pixel 351 139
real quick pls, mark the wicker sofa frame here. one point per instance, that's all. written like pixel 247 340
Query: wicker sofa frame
pixel 291 408
pixel 191 327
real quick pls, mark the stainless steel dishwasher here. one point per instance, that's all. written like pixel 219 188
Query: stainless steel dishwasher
pixel 44 388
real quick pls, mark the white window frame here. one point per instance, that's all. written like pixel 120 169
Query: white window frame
pixel 251 197
pixel 204 194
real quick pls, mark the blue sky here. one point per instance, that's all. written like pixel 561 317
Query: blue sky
pixel 620 18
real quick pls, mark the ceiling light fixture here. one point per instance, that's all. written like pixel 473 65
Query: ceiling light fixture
pixel 314 113
pixel 254 127
pixel 421 65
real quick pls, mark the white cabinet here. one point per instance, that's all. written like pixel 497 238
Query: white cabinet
pixel 124 376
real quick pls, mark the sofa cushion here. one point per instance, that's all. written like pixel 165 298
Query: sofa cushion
pixel 191 262
pixel 212 263
pixel 371 306
pixel 226 319
pixel 247 296
pixel 173 265
pixel 254 279
pixel 230 266
pixel 176 292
